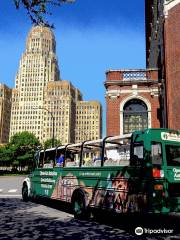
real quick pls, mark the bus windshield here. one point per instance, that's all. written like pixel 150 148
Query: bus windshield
pixel 173 155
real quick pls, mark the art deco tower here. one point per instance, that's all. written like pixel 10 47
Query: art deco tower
pixel 38 66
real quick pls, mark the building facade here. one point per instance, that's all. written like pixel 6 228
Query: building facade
pixel 162 45
pixel 60 99
pixel 38 66
pixel 5 112
pixel 132 100
pixel 42 103
pixel 162 22
pixel 88 121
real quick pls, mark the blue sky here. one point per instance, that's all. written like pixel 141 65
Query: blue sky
pixel 91 37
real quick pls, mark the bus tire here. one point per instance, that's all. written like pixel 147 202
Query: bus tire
pixel 25 196
pixel 79 207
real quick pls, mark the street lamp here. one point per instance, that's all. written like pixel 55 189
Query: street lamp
pixel 52 122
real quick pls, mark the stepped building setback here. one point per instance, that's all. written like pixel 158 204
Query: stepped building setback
pixel 38 66
pixel 40 98
pixel 60 98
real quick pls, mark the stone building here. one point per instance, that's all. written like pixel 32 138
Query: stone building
pixel 38 66
pixel 5 112
pixel 88 120
pixel 60 99
pixel 42 103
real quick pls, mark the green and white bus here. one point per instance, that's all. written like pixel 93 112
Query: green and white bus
pixel 138 172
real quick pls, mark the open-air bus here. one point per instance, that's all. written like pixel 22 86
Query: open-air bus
pixel 138 172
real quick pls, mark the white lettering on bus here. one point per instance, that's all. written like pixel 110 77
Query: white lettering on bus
pixel 176 174
pixel 48 180
pixel 46 186
pixel 47 173
pixel 90 174
pixel 170 136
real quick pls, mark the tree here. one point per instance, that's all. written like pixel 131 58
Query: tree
pixel 48 143
pixel 38 9
pixel 22 147
pixel 24 139
pixel 5 156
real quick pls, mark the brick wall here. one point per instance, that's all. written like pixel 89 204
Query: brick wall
pixel 118 95
pixel 172 64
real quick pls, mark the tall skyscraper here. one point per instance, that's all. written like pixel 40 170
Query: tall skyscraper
pixel 38 66
pixel 41 102
pixel 5 112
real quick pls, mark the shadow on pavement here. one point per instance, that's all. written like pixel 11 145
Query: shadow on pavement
pixel 21 220
pixel 126 222
pixel 25 221
pixel 149 222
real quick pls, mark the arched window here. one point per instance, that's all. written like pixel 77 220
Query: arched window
pixel 135 116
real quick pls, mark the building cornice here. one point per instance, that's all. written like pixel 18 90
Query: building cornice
pixel 129 82
pixel 154 91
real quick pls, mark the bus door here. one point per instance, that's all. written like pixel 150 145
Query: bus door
pixel 157 186
pixel 43 179
pixel 137 196
pixel 35 175
pixel 172 153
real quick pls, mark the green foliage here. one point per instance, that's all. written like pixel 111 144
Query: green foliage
pixel 38 9
pixel 48 143
pixel 5 156
pixel 24 140
pixel 20 150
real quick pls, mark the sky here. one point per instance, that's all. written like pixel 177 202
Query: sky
pixel 91 38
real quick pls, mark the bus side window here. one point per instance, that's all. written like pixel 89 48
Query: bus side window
pixel 49 159
pixel 41 159
pixel 156 153
pixel 70 161
pixel 137 157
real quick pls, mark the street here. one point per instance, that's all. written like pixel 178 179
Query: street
pixel 29 220
pixel 10 186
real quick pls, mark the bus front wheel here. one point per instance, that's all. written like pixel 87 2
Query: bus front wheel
pixel 79 205
pixel 25 195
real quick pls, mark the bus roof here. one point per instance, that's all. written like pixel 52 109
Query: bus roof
pixel 98 142
pixel 90 142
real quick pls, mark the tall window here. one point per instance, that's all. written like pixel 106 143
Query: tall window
pixel 135 116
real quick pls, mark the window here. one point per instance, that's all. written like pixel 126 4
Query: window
pixel 173 155
pixel 41 159
pixel 156 153
pixel 137 154
pixel 135 116
pixel 138 151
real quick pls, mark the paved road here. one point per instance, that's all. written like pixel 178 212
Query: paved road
pixel 29 221
pixel 10 186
